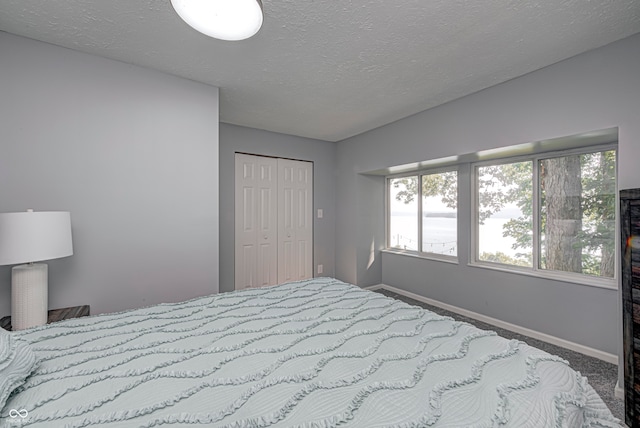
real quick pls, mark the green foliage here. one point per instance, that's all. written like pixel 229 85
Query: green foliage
pixel 409 186
pixel 500 185
pixel 521 230
pixel 590 265
pixel 444 184
pixel 503 258
pixel 599 208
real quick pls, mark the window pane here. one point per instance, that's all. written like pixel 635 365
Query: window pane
pixel 439 213
pixel 403 213
pixel 505 222
pixel 577 213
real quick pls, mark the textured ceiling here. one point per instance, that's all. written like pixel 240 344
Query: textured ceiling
pixel 331 69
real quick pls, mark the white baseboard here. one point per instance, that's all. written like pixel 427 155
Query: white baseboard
pixel 604 356
pixel 619 391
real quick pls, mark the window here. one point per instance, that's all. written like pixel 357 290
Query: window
pixel 578 214
pixel 504 217
pixel 434 231
pixel 403 213
pixel 550 213
pixel 440 213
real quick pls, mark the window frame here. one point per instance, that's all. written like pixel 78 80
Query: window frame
pixel 387 201
pixel 535 270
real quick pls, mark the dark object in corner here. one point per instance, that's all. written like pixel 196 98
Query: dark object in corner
pixel 630 252
pixel 55 315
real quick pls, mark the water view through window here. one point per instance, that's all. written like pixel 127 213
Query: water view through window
pixel 439 197
pixel 403 213
pixel 440 213
pixel 504 218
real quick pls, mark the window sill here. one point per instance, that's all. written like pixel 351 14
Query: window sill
pixel 591 281
pixel 423 256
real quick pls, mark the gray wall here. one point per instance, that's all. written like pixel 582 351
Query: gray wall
pixel 131 153
pixel 247 140
pixel 596 90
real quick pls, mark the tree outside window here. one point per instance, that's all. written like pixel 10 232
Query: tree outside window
pixel 577 213
pixel 576 199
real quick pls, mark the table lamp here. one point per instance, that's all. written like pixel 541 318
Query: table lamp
pixel 28 237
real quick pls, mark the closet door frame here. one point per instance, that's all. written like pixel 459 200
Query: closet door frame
pixel 262 236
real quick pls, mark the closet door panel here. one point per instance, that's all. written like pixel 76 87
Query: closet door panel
pixel 304 231
pixel 244 223
pixel 295 232
pixel 287 256
pixel 256 227
pixel 274 203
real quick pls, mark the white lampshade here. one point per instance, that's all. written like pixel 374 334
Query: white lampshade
pixel 27 237
pixel 222 19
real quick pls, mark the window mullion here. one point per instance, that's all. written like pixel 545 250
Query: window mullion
pixel 419 196
pixel 387 218
pixel 475 207
pixel 535 215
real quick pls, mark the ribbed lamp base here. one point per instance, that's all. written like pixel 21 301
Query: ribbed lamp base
pixel 29 296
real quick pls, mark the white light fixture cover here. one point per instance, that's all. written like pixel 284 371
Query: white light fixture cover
pixel 222 19
pixel 27 237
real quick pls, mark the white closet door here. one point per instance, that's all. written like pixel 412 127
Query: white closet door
pixel 256 221
pixel 295 218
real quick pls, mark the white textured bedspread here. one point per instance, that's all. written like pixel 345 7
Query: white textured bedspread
pixel 317 353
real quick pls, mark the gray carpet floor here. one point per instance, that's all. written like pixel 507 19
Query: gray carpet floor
pixel 601 375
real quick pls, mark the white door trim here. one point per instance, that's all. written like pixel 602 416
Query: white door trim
pixel 273 220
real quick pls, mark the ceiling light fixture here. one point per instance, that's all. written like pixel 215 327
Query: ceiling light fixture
pixel 222 19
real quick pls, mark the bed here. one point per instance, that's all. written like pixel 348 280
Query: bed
pixel 316 353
